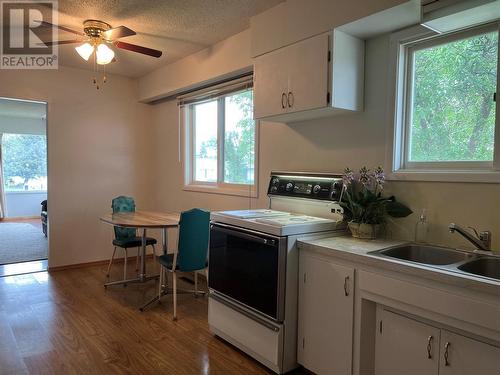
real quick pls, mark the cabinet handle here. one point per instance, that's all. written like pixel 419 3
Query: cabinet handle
pixel 291 99
pixel 446 354
pixel 346 289
pixel 283 101
pixel 429 347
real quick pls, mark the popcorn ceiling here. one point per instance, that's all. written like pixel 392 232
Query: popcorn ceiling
pixel 177 27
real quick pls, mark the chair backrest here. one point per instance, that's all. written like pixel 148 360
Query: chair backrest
pixel 194 228
pixel 123 204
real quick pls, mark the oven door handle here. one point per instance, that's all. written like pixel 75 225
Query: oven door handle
pixel 243 311
pixel 246 236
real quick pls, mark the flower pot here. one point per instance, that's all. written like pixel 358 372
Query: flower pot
pixel 364 231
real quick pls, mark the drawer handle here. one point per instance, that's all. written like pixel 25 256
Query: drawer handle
pixel 291 99
pixel 346 288
pixel 429 347
pixel 446 354
pixel 283 101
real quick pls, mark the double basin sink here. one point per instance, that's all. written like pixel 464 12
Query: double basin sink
pixel 445 258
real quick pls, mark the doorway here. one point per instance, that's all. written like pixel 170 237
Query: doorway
pixel 23 186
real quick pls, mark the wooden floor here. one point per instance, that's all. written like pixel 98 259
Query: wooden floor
pixel 66 323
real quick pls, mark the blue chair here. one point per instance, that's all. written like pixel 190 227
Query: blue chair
pixel 191 255
pixel 126 238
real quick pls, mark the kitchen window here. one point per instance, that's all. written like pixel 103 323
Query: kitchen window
pixel 220 135
pixel 447 123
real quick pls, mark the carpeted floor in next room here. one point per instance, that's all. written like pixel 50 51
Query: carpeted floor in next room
pixel 22 241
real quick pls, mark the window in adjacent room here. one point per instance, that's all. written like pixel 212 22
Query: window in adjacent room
pixel 448 116
pixel 221 140
pixel 24 162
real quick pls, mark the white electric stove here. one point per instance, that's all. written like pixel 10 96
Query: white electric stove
pixel 253 264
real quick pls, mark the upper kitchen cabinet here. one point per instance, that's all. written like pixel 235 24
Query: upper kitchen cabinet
pixel 315 77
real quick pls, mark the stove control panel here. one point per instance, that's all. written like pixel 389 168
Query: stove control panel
pixel 323 187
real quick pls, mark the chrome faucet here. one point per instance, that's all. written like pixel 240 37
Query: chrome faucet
pixel 481 240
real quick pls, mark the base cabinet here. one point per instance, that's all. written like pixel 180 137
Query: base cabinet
pixel 405 346
pixel 464 356
pixel 410 347
pixel 325 331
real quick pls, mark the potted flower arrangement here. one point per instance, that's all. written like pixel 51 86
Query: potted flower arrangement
pixel 365 209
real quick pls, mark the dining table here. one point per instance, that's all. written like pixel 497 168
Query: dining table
pixel 143 221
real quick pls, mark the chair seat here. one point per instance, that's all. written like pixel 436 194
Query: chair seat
pixel 167 261
pixel 133 242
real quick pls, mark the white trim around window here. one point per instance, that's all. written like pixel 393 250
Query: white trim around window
pixel 402 44
pixel 219 186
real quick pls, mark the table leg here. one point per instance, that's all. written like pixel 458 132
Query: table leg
pixel 164 243
pixel 164 239
pixel 142 275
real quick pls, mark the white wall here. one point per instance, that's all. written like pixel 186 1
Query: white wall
pixel 227 56
pixel 24 203
pixel 331 144
pixel 98 147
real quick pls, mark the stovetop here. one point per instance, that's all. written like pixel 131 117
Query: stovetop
pixel 279 223
pixel 252 214
pixel 302 203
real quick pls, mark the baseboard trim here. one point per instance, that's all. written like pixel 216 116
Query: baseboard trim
pixel 93 264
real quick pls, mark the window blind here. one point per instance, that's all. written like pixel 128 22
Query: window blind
pixel 215 91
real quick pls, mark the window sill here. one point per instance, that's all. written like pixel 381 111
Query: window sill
pixel 25 192
pixel 236 190
pixel 479 176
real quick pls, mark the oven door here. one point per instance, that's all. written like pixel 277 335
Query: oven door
pixel 249 268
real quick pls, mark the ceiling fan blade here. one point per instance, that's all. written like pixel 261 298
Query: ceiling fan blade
pixel 59 42
pixel 118 32
pixel 138 49
pixel 47 24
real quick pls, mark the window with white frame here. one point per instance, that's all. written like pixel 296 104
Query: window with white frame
pixel 447 117
pixel 221 141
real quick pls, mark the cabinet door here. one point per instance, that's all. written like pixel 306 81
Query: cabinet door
pixel 405 346
pixel 464 356
pixel 308 74
pixel 325 316
pixel 270 84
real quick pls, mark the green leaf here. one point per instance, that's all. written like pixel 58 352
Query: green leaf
pixel 396 209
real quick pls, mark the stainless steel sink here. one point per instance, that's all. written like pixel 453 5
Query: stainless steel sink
pixel 487 267
pixel 431 255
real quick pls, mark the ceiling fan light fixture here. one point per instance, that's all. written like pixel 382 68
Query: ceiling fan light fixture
pixel 85 50
pixel 104 54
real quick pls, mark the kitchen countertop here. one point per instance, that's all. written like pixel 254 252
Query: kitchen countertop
pixel 355 250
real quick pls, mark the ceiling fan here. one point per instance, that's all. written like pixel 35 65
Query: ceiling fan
pixel 98 33
pixel 97 36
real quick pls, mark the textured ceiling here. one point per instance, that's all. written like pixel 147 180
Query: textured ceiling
pixel 176 27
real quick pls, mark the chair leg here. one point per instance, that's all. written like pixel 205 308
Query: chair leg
pixel 110 262
pixel 125 266
pixel 155 257
pixel 137 260
pixel 196 284
pixel 174 277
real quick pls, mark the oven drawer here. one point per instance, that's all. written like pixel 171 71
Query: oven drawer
pixel 263 342
pixel 248 267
